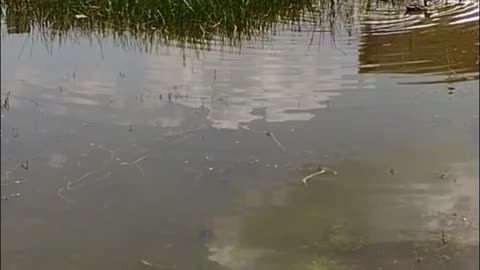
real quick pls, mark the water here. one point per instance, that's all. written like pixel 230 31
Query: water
pixel 160 160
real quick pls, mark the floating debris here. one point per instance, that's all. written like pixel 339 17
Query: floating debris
pixel 443 175
pixel 139 159
pixel 122 75
pixel 135 163
pixel 444 240
pixel 305 179
pixel 146 263
pixel 450 87
pixel 25 164
pixel 6 102
pixel 277 142
pixel 243 127
pixel 69 185
pixel 4 198
pixel 322 170
pixel 392 172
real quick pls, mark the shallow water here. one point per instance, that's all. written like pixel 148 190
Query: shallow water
pixel 163 157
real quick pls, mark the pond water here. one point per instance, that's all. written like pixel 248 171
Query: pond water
pixel 117 158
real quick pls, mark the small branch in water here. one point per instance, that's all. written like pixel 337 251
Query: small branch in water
pixel 135 163
pixel 139 159
pixel 68 185
pixel 144 262
pixel 60 194
pixel 277 142
pixel 305 179
pixel 322 170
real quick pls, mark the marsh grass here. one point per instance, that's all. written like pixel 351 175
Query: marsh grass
pixel 161 21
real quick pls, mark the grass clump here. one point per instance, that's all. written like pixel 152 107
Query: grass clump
pixel 196 19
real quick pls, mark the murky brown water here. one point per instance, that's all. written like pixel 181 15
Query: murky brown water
pixel 119 156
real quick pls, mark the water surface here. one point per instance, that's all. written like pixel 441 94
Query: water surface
pixel 163 156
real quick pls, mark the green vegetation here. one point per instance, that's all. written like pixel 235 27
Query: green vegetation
pixel 185 20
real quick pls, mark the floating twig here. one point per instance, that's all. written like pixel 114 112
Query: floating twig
pixel 305 179
pixel 321 170
pixel 68 185
pixel 60 194
pixel 146 263
pixel 135 163
pixel 142 172
pixel 277 142
pixel 139 159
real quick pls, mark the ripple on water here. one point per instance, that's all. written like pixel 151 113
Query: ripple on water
pixel 393 42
